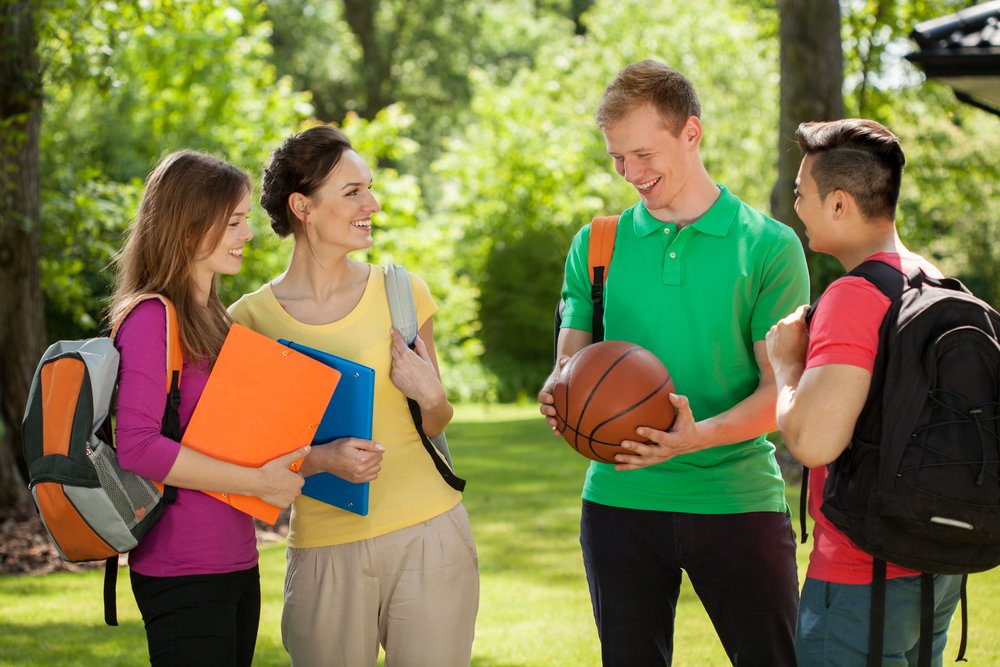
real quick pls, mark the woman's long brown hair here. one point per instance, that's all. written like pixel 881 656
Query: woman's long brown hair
pixel 188 200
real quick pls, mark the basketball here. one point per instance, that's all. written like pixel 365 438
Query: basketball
pixel 605 391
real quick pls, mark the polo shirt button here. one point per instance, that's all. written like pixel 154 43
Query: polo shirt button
pixel 666 230
pixel 673 255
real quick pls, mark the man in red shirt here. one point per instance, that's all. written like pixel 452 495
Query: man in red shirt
pixel 846 194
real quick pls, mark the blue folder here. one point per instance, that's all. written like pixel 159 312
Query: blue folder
pixel 348 414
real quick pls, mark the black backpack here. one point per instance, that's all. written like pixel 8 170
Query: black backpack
pixel 919 485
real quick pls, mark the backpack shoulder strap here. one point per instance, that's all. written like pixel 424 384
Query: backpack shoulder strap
pixel 171 424
pixel 602 245
pixel 175 354
pixel 403 312
pixel 402 309
pixel 887 278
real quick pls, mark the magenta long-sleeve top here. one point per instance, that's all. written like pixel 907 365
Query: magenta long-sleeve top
pixel 197 534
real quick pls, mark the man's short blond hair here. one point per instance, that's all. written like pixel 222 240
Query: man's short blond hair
pixel 649 81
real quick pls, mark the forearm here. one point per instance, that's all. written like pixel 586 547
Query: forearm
pixel 570 342
pixel 748 419
pixel 790 422
pixel 804 432
pixel 787 409
pixel 194 470
pixel 435 411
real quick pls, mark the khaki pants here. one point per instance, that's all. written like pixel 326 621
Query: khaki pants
pixel 414 591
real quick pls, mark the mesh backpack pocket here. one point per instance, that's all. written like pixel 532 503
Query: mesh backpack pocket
pixel 136 500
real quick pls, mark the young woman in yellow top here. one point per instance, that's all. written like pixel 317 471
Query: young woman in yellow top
pixel 405 576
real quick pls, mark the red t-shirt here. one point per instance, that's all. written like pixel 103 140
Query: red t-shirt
pixel 844 330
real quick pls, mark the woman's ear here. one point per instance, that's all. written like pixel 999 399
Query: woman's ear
pixel 299 205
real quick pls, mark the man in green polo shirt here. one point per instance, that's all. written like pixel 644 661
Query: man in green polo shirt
pixel 698 278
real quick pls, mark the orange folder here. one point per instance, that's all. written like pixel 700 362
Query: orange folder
pixel 262 400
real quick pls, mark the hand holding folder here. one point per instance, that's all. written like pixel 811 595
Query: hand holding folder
pixel 349 414
pixel 262 400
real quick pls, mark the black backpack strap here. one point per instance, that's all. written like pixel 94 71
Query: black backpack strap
pixel 597 296
pixel 964 602
pixel 171 426
pixel 556 326
pixel 876 623
pixel 110 594
pixel 888 279
pixel 453 480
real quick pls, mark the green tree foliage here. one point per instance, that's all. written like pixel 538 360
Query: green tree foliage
pixel 128 82
pixel 478 119
pixel 532 167
pixel 363 55
pixel 950 184
pixel 875 37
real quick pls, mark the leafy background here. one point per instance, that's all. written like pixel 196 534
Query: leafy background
pixel 479 118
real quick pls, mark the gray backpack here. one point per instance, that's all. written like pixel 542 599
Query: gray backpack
pixel 91 508
pixel 404 319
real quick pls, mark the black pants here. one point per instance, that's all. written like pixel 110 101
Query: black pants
pixel 205 620
pixel 742 567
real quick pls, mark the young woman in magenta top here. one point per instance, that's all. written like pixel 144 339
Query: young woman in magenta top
pixel 194 575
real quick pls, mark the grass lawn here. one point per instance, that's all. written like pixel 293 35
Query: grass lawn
pixel 523 498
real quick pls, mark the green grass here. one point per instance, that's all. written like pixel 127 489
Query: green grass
pixel 523 497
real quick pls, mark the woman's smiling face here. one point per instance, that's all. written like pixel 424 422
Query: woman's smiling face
pixel 340 211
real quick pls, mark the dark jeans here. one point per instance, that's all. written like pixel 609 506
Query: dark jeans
pixel 205 620
pixel 742 567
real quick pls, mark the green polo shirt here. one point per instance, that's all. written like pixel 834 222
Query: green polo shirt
pixel 697 298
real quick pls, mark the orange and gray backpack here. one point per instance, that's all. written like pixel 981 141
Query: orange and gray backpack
pixel 600 250
pixel 91 508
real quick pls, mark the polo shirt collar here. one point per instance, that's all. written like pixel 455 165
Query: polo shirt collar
pixel 716 221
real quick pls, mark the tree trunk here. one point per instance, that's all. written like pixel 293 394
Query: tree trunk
pixel 376 60
pixel 576 11
pixel 22 316
pixel 812 76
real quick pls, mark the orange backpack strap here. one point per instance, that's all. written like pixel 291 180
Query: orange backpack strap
pixel 602 246
pixel 171 425
pixel 599 251
pixel 175 354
